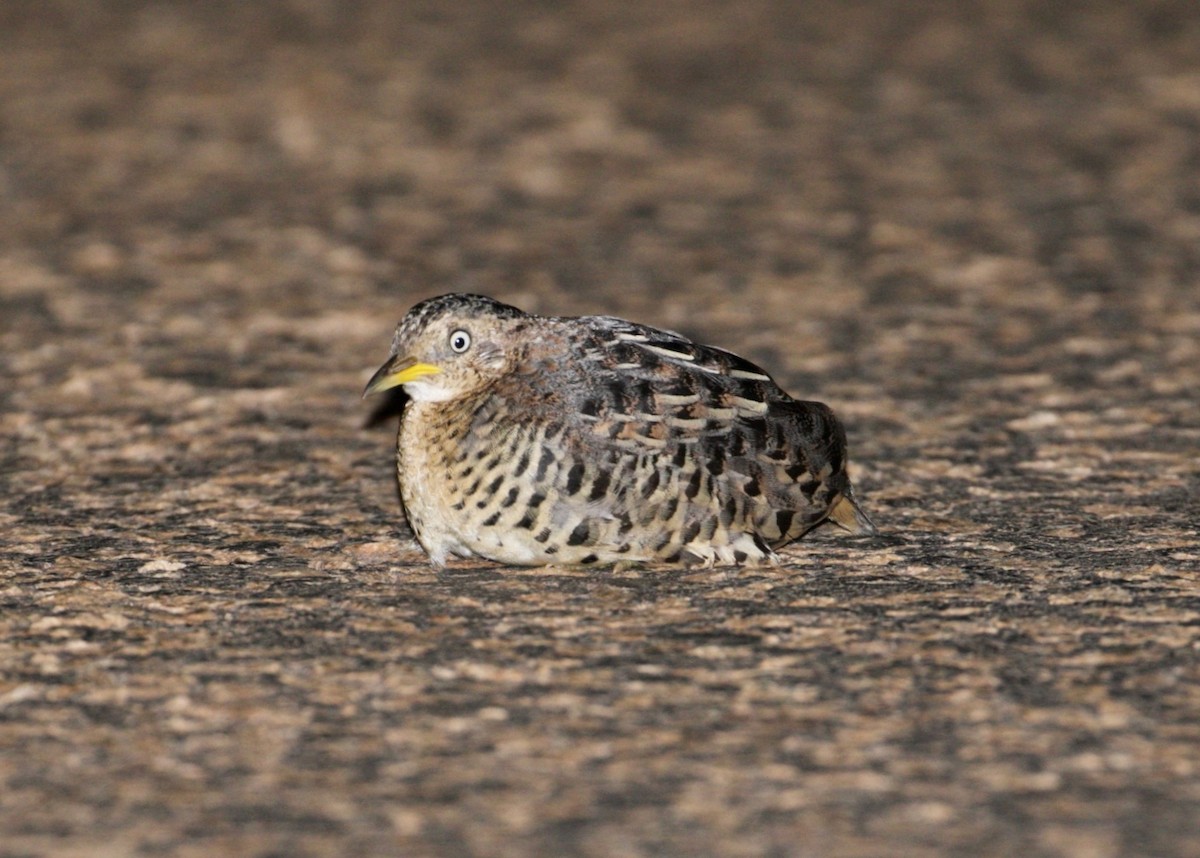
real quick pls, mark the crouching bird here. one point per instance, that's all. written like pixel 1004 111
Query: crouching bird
pixel 532 440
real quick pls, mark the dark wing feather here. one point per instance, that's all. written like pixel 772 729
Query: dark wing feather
pixel 649 387
pixel 656 391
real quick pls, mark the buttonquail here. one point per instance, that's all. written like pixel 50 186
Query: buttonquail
pixel 532 440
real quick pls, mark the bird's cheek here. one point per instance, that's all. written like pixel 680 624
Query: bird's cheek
pixel 490 356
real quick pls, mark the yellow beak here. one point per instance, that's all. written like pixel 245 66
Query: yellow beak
pixel 397 371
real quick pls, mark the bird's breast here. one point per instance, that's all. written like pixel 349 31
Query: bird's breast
pixel 431 447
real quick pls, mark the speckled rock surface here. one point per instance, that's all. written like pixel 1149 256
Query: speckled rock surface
pixel 973 229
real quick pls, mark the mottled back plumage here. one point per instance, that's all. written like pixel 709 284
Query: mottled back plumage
pixel 534 440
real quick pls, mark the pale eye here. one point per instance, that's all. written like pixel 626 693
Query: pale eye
pixel 460 341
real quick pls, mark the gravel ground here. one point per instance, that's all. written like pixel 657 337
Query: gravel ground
pixel 973 229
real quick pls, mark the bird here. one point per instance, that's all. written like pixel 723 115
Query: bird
pixel 531 440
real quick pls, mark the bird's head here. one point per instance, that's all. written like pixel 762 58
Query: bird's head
pixel 449 346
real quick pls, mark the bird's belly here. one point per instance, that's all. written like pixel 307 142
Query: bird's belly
pixel 461 504
pixel 519 500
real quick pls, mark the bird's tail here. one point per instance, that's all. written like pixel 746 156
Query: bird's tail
pixel 848 515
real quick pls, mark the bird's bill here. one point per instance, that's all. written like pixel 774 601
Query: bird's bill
pixel 397 371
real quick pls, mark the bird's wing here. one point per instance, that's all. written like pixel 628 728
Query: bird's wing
pixel 645 388
pixel 655 391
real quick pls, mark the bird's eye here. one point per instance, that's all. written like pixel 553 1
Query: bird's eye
pixel 460 341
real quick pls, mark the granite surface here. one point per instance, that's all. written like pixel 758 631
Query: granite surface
pixel 972 228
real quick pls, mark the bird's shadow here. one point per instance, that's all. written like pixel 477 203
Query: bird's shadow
pixel 387 408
